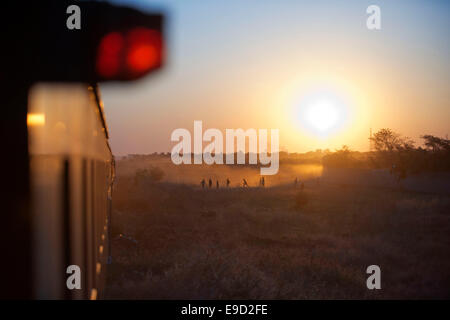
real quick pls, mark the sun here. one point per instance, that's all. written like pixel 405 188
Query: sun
pixel 322 113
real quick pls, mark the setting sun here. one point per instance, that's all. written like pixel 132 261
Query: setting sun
pixel 322 113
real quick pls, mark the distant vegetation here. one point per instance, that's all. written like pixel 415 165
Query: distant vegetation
pixel 396 153
pixel 150 175
pixel 391 151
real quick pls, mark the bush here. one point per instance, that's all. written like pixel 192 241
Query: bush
pixel 151 175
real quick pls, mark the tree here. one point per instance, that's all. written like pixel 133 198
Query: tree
pixel 387 140
pixel 436 144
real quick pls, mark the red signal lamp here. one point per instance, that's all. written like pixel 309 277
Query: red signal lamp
pixel 114 43
pixel 129 55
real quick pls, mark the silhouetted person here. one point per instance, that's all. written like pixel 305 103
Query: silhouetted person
pixel 295 182
pixel 228 182
pixel 217 184
pixel 244 183
pixel 263 182
pixel 210 183
pixel 203 183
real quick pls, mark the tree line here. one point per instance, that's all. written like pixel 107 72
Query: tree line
pixel 397 153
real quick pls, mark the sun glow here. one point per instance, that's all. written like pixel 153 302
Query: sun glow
pixel 322 113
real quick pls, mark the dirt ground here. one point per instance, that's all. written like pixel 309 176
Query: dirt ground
pixel 178 241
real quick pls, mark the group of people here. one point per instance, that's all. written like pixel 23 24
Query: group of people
pixel 203 183
pixel 210 183
pixel 262 183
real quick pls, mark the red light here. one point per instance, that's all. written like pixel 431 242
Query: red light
pixel 109 55
pixel 129 57
pixel 142 58
pixel 144 50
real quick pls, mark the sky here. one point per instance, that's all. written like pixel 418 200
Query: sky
pixel 265 64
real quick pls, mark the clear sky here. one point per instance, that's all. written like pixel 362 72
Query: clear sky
pixel 260 64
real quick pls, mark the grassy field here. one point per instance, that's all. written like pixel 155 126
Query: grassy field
pixel 177 241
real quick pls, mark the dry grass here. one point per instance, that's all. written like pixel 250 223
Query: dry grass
pixel 277 243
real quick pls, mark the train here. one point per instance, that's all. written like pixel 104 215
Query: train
pixel 71 183
pixel 57 165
